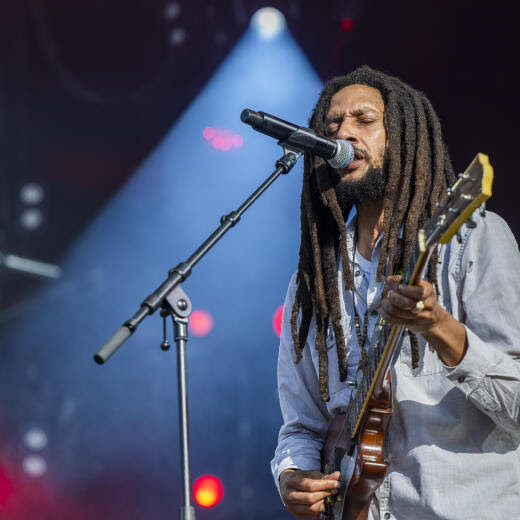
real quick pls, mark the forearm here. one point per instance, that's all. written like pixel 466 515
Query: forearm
pixel 448 338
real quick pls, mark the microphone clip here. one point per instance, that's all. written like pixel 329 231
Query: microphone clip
pixel 299 140
pixel 289 159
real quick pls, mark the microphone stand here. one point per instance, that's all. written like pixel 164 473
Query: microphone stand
pixel 173 301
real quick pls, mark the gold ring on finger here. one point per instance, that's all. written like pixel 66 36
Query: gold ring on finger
pixel 419 307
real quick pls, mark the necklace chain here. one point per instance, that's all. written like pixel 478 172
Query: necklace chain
pixel 362 338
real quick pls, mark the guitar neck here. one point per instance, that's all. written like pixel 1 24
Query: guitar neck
pixel 384 347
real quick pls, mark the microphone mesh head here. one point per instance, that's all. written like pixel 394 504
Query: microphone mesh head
pixel 343 156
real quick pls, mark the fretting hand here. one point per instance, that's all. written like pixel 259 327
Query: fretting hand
pixel 417 308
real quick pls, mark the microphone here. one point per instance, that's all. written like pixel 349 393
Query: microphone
pixel 338 152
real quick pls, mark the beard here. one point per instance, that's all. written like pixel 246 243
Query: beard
pixel 371 186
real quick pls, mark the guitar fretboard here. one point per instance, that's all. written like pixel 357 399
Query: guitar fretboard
pixel 367 373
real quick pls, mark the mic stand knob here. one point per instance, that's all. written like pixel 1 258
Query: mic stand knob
pixel 165 344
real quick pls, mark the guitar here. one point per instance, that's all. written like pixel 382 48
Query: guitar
pixel 355 439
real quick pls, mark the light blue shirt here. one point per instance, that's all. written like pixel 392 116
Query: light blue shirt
pixel 454 438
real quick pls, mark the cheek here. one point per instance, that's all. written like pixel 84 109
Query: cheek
pixel 379 147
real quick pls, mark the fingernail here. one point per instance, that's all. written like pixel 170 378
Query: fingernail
pixel 337 484
pixel 334 491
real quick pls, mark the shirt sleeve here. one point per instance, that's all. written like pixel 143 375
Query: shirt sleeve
pixel 488 269
pixel 305 417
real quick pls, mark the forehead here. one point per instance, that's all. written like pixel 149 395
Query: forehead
pixel 354 97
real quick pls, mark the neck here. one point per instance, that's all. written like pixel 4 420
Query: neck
pixel 369 225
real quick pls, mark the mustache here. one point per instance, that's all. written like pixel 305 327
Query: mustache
pixel 361 152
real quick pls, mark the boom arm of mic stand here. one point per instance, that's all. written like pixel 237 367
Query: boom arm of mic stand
pixel 183 270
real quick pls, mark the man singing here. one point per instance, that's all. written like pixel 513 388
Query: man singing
pixel 453 443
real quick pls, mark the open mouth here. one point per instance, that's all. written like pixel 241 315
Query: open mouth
pixel 359 157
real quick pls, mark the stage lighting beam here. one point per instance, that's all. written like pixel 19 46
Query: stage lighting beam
pixel 268 22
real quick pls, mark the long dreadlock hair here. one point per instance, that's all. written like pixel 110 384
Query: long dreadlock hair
pixel 419 171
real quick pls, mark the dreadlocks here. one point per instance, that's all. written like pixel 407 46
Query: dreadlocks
pixel 419 171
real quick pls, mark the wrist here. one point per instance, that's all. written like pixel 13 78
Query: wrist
pixel 285 472
pixel 448 338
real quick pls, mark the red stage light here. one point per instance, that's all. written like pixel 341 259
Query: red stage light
pixel 347 24
pixel 227 143
pixel 277 320
pixel 208 133
pixel 6 488
pixel 208 491
pixel 200 323
pixel 222 139
pixel 237 140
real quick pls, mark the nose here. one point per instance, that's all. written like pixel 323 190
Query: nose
pixel 347 132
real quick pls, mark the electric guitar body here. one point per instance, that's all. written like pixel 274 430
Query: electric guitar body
pixel 362 465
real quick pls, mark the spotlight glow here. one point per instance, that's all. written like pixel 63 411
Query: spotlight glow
pixel 222 138
pixel 35 439
pixel 200 323
pixel 31 219
pixel 34 465
pixel 31 193
pixel 347 24
pixel 268 22
pixel 277 320
pixel 177 37
pixel 208 491
pixel 6 488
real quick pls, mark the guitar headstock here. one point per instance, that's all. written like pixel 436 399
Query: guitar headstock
pixel 470 191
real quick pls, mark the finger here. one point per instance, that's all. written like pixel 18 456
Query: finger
pixel 392 282
pixel 394 278
pixel 393 314
pixel 417 292
pixel 332 476
pixel 304 498
pixel 308 510
pixel 400 301
pixel 312 485
pixel 301 511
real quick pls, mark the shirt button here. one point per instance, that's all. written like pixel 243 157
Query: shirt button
pixel 461 379
pixel 387 516
pixel 357 273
